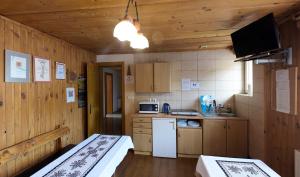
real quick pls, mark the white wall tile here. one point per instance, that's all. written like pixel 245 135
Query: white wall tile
pixel 206 64
pixel 189 65
pixel 235 86
pixel 206 75
pixel 207 85
pixel 228 64
pixel 229 75
pixel 193 75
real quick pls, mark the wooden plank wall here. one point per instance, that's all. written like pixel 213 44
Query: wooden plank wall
pixel 30 109
pixel 283 130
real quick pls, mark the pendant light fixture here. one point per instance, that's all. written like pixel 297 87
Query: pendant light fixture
pixel 139 42
pixel 128 30
pixel 125 30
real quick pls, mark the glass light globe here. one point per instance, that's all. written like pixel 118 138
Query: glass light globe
pixel 139 42
pixel 125 31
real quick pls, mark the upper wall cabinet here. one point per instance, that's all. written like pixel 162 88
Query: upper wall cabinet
pixel 153 77
pixel 162 77
pixel 144 77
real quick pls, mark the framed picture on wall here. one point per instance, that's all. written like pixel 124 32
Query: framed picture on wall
pixel 42 70
pixel 70 92
pixel 17 66
pixel 60 72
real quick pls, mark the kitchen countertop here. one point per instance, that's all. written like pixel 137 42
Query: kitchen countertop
pixel 199 117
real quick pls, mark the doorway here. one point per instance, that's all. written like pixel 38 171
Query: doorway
pixel 106 91
pixel 111 100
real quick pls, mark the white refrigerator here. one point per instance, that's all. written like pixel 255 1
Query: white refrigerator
pixel 164 137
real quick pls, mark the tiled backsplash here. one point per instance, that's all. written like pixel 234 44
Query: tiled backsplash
pixel 218 75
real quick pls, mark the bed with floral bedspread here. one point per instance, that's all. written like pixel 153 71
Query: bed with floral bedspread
pixel 212 166
pixel 97 156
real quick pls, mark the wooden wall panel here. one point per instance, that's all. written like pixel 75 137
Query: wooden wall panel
pixel 283 129
pixel 30 109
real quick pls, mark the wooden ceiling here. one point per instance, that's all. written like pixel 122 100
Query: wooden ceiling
pixel 170 25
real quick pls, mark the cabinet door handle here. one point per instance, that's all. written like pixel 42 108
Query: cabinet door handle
pixel 228 127
pixel 173 123
pixel 224 126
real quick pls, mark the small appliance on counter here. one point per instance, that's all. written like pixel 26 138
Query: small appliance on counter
pixel 166 108
pixel 149 107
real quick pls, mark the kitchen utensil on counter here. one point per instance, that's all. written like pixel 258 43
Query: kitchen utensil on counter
pixel 206 103
pixel 166 108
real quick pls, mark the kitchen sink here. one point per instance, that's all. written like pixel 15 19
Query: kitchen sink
pixel 221 114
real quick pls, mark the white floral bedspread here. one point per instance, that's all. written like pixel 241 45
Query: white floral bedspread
pixel 213 166
pixel 85 159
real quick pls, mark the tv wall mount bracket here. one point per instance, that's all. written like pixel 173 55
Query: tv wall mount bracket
pixel 282 55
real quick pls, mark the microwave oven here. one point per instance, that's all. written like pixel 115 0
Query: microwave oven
pixel 146 107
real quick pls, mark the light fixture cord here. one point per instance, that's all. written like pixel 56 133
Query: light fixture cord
pixel 126 11
pixel 136 10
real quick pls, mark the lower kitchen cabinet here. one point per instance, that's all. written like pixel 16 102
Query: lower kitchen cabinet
pixel 142 143
pixel 237 141
pixel 217 137
pixel 214 137
pixel 189 142
pixel 225 138
pixel 142 135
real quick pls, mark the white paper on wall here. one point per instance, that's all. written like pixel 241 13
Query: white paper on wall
pixel 186 84
pixel 70 93
pixel 60 71
pixel 195 85
pixel 282 91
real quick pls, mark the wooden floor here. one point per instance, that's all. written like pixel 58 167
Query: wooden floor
pixel 148 166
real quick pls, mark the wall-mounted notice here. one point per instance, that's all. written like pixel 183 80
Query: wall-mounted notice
pixel 283 91
pixel 70 93
pixel 60 71
pixel 186 84
pixel 195 85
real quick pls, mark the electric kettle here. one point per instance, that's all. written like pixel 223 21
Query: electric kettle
pixel 166 108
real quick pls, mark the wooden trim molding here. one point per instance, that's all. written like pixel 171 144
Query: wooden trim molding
pixel 297 163
pixel 19 150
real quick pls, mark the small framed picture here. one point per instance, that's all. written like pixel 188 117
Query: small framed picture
pixel 70 92
pixel 42 70
pixel 17 66
pixel 60 72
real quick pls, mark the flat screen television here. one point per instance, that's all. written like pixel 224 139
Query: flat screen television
pixel 259 36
